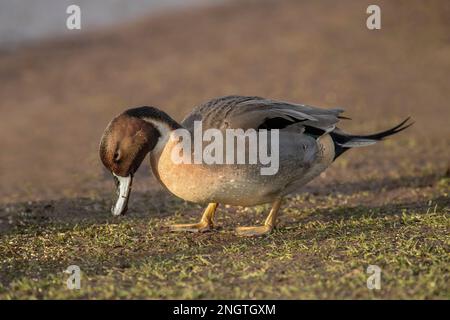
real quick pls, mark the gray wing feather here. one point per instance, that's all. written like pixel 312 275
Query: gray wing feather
pixel 250 112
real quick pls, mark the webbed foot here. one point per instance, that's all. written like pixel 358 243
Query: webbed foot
pixel 205 224
pixel 254 231
pixel 201 226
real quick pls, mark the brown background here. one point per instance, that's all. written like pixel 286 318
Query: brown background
pixel 57 97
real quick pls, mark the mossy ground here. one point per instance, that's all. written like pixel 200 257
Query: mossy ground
pixel 321 249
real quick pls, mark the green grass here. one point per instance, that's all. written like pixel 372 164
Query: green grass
pixel 321 249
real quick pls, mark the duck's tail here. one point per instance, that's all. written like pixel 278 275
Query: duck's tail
pixel 344 141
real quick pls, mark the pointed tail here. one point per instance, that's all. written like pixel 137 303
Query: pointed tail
pixel 344 141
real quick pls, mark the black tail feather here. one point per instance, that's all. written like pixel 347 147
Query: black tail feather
pixel 383 134
pixel 343 141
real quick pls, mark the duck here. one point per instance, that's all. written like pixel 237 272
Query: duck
pixel 308 140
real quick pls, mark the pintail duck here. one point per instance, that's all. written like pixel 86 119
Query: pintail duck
pixel 308 142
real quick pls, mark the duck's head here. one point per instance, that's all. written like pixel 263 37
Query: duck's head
pixel 125 143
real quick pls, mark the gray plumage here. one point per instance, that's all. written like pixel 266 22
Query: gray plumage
pixel 251 112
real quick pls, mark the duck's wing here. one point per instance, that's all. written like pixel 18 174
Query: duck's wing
pixel 258 113
pixel 262 113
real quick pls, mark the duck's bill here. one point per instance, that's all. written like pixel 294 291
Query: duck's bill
pixel 123 185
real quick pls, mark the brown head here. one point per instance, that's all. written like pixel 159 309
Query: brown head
pixel 128 138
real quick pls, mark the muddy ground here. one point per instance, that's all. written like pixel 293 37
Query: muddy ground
pixel 386 205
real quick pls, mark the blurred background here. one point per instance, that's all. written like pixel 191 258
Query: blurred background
pixel 25 21
pixel 59 88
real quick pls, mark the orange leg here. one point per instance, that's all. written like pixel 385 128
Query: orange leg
pixel 205 224
pixel 268 226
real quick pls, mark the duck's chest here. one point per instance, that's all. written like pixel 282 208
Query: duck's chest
pixel 202 183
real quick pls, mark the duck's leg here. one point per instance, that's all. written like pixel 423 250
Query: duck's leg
pixel 269 224
pixel 205 224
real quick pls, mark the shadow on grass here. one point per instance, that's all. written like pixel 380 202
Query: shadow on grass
pixel 385 184
pixel 18 217
pixel 69 212
pixel 346 212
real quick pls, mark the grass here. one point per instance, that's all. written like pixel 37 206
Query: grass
pixel 321 250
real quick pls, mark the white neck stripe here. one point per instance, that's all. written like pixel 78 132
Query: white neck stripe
pixel 164 131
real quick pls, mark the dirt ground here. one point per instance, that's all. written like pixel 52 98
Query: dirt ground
pixel 386 205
